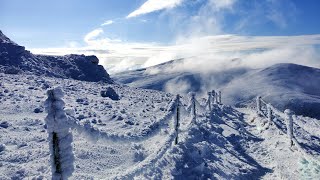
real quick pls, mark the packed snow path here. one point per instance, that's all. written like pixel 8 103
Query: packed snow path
pixel 273 151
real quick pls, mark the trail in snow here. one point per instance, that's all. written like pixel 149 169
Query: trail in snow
pixel 274 151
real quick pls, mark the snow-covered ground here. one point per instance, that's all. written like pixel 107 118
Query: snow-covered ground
pixel 133 137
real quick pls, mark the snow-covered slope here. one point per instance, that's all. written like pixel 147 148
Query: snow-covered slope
pixel 165 77
pixel 284 85
pixel 15 59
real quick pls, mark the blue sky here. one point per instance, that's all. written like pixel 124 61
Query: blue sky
pixel 60 26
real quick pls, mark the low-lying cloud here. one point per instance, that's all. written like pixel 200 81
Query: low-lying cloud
pixel 202 41
pixel 203 53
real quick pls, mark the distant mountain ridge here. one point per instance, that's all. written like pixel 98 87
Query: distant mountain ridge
pixel 15 59
pixel 284 85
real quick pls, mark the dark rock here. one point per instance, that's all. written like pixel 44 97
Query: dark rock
pixel 12 70
pixel 110 93
pixel 38 110
pixel 4 124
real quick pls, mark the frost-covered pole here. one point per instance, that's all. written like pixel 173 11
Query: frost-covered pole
pixel 258 104
pixel 213 92
pixel 193 105
pixel 209 101
pixel 60 137
pixel 269 113
pixel 220 102
pixel 289 119
pixel 177 118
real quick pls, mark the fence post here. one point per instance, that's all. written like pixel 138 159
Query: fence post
pixel 193 105
pixel 214 100
pixel 60 137
pixel 269 113
pixel 258 104
pixel 220 102
pixel 289 120
pixel 209 101
pixel 177 118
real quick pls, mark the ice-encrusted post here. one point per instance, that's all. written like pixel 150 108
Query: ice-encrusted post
pixel 213 92
pixel 193 107
pixel 258 104
pixel 209 101
pixel 269 110
pixel 220 102
pixel 289 119
pixel 177 118
pixel 60 137
pixel 217 97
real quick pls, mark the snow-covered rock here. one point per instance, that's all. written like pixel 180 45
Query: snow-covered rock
pixel 15 59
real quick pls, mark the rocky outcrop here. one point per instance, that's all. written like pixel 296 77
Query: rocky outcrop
pixel 15 59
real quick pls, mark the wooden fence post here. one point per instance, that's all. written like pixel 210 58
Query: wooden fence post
pixel 220 102
pixel 60 137
pixel 177 118
pixel 209 101
pixel 214 100
pixel 289 120
pixel 258 104
pixel 269 113
pixel 193 105
pixel 217 97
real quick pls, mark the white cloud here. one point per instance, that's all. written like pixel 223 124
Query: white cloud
pixel 222 4
pixel 205 53
pixel 108 22
pixel 154 5
pixel 92 35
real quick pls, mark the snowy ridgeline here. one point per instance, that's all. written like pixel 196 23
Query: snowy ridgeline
pixel 14 59
pixel 286 86
pixel 133 135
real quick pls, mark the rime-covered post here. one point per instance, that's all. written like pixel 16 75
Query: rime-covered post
pixel 220 102
pixel 213 96
pixel 177 118
pixel 269 113
pixel 289 119
pixel 60 137
pixel 209 101
pixel 258 104
pixel 193 107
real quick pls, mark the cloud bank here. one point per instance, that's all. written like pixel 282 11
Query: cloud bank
pixel 201 38
pixel 255 51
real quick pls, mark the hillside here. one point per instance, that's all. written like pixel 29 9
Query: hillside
pixel 15 59
pixel 165 77
pixel 285 85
